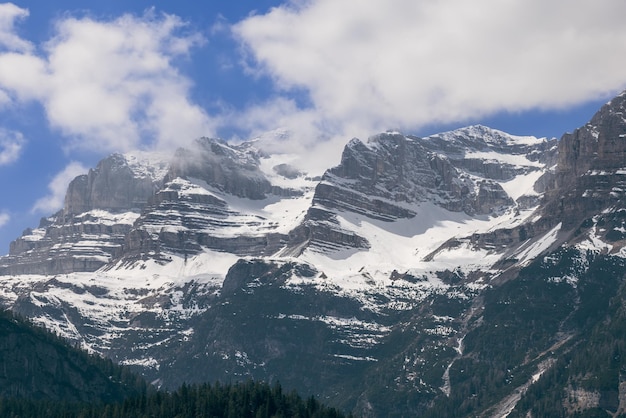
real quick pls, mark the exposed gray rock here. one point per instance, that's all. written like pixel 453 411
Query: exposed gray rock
pixel 387 178
pixel 589 178
pixel 590 175
pixel 112 186
pixel 184 219
pixel 258 272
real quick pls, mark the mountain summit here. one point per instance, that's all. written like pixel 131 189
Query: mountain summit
pixel 377 286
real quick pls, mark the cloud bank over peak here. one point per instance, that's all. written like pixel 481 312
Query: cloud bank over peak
pixel 337 69
pixel 327 69
pixel 403 64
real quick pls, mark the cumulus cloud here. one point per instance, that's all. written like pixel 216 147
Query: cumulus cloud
pixel 403 63
pixel 339 68
pixel 54 200
pixel 110 85
pixel 11 143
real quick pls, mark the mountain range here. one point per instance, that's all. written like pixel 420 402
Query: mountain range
pixel 469 273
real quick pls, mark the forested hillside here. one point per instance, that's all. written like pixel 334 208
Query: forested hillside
pixel 551 343
pixel 35 364
pixel 41 376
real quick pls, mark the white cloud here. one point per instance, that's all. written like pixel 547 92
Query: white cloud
pixel 403 63
pixel 9 13
pixel 11 143
pixel 4 218
pixel 57 188
pixel 115 85
pixel 112 85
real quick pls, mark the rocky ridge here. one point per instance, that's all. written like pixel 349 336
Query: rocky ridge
pixel 585 187
pixel 389 177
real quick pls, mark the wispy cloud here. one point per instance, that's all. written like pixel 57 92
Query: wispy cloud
pixel 4 218
pixel 402 63
pixel 108 85
pixel 11 144
pixel 54 200
pixel 9 14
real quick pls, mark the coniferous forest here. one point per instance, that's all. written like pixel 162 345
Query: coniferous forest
pixel 42 376
pixel 240 400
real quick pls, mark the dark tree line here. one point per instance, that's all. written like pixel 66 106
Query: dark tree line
pixel 36 364
pixel 42 376
pixel 240 400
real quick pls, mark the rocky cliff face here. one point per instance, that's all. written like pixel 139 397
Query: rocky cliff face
pixel 395 169
pixel 116 185
pixel 584 192
pixel 99 211
pixel 590 176
pixel 392 175
pixel 185 218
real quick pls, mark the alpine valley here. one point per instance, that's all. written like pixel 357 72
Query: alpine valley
pixel 469 273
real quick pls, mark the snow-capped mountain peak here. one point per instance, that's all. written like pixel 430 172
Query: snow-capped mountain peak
pixel 231 260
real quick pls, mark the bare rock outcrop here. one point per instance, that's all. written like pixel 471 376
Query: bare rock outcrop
pixel 113 185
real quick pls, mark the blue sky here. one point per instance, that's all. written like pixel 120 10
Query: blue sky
pixel 80 80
